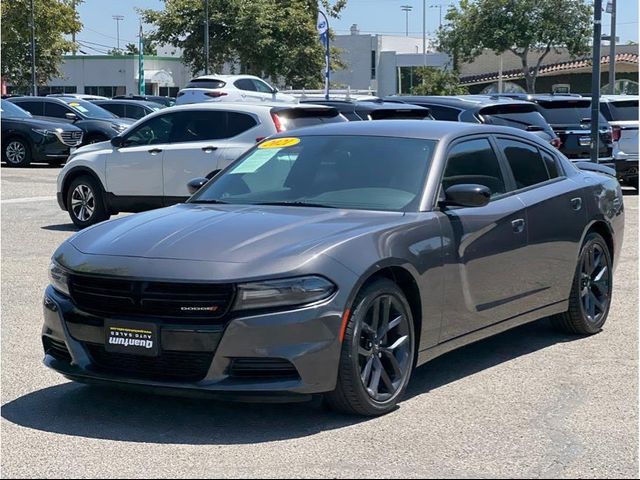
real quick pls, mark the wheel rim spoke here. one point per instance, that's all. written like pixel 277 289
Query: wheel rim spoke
pixel 374 384
pixel 367 371
pixel 386 313
pixel 393 361
pixel 386 380
pixel 400 341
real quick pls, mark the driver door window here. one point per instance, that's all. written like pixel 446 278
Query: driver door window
pixel 156 131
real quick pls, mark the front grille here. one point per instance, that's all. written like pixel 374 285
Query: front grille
pixel 73 139
pixel 262 368
pixel 113 296
pixel 56 349
pixel 168 366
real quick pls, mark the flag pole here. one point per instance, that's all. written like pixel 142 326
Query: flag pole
pixel 323 30
pixel 141 89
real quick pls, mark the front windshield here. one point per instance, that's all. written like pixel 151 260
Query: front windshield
pixel 10 110
pixel 88 109
pixel 353 172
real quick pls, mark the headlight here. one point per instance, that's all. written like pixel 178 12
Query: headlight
pixel 280 293
pixel 59 278
pixel 42 131
pixel 118 128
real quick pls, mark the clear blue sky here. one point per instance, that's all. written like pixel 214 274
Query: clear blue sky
pixel 372 16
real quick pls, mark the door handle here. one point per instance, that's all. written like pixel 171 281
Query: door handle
pixel 209 149
pixel 518 225
pixel 576 203
pixel 155 151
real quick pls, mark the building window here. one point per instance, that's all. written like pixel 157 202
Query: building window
pixel 106 91
pixel 169 91
pixel 373 64
pixel 42 91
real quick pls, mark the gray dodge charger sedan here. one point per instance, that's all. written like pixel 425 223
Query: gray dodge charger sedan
pixel 334 261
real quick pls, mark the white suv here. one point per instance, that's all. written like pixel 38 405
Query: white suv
pixel 621 111
pixel 230 88
pixel 149 165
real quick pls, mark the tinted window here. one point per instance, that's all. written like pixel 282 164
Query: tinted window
pixel 351 116
pixel 199 126
pixel 10 110
pixel 245 84
pixel 625 110
pixel 239 123
pixel 55 110
pixel 568 112
pixel 444 113
pixel 135 111
pixel 262 87
pixel 526 163
pixel 474 161
pixel 355 172
pixel 205 83
pixel 552 164
pixel 516 116
pixel 155 131
pixel 34 108
pixel 115 108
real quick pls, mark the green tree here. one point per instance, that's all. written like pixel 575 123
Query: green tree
pixel 54 19
pixel 527 28
pixel 268 38
pixel 435 81
pixel 132 48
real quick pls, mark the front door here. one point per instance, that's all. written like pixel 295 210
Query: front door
pixel 134 171
pixel 482 244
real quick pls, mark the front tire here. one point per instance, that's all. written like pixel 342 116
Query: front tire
pixel 16 153
pixel 590 297
pixel 378 352
pixel 85 202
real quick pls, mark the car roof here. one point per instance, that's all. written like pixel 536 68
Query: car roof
pixel 410 129
pixel 227 78
pixel 248 107
pixel 548 97
pixel 126 101
pixel 464 102
pixel 366 104
pixel 619 98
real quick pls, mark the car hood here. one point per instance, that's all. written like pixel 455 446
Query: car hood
pixel 94 147
pixel 37 123
pixel 230 233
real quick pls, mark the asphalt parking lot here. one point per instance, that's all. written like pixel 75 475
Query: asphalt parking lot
pixel 528 403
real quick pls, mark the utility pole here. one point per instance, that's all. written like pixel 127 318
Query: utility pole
pixel 73 34
pixel 611 8
pixel 118 18
pixel 595 80
pixel 34 86
pixel 407 9
pixel 424 33
pixel 439 7
pixel 206 37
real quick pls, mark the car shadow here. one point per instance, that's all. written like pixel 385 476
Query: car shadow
pixel 78 410
pixel 62 227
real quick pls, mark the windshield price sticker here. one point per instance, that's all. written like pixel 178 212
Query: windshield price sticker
pixel 280 142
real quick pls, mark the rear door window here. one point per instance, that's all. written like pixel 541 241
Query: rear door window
pixel 552 164
pixel 239 123
pixel 525 161
pixel 134 111
pixel 34 108
pixel 474 162
pixel 115 108
pixel 199 126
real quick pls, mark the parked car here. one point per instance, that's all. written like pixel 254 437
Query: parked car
pixel 131 109
pixel 150 164
pixel 81 96
pixel 26 139
pixel 375 110
pixel 230 88
pixel 333 259
pixel 570 118
pixel 166 101
pixel 97 124
pixel 490 110
pixel 621 111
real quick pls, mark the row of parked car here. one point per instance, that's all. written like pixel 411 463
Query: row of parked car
pixel 149 165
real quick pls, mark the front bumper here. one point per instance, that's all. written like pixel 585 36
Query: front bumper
pixel 307 338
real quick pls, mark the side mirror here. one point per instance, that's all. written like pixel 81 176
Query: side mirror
pixel 196 184
pixel 117 141
pixel 467 195
pixel 275 90
pixel 71 116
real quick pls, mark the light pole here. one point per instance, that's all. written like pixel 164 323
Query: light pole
pixel 611 8
pixel 439 7
pixel 206 37
pixel 406 9
pixel 118 19
pixel 424 33
pixel 34 87
pixel 595 80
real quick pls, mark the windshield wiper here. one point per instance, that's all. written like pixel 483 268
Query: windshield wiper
pixel 295 204
pixel 208 200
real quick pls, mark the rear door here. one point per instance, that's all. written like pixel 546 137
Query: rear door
pixel 556 218
pixel 484 244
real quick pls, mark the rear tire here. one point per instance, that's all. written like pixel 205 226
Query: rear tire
pixel 85 202
pixel 590 297
pixel 378 352
pixel 16 152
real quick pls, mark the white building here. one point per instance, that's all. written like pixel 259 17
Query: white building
pixel 110 75
pixel 382 63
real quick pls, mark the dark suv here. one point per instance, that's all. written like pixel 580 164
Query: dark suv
pixel 133 109
pixel 97 124
pixel 26 139
pixel 375 110
pixel 490 110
